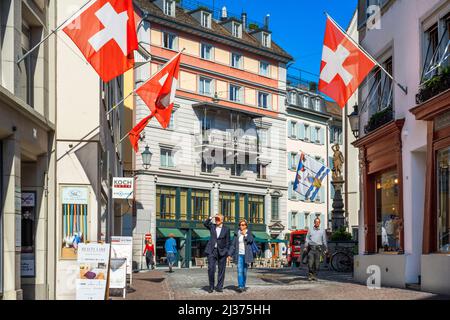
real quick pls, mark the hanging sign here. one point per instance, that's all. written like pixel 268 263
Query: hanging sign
pixel 122 188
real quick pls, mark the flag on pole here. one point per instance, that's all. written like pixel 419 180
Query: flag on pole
pixel 135 133
pixel 158 93
pixel 105 33
pixel 344 65
pixel 309 177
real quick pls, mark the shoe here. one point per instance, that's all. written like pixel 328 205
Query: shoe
pixel 210 290
pixel 219 290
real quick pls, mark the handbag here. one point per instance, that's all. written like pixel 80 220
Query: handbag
pixel 255 249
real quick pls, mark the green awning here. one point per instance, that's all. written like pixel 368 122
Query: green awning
pixel 261 236
pixel 176 232
pixel 278 241
pixel 203 234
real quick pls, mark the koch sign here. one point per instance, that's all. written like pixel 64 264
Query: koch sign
pixel 123 188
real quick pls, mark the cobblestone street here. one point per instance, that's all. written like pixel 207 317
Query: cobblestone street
pixel 283 284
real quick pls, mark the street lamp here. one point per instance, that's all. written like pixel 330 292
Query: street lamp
pixel 146 157
pixel 353 118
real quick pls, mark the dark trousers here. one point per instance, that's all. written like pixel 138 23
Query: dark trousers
pixel 215 259
pixel 149 259
pixel 314 260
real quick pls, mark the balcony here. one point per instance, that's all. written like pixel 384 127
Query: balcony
pixel 379 119
pixel 434 86
pixel 227 140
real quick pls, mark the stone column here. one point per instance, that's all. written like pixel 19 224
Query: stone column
pixel 11 219
pixel 338 212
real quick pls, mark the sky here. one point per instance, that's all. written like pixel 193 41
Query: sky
pixel 298 26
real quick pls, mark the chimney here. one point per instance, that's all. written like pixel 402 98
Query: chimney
pixel 266 22
pixel 244 20
pixel 224 14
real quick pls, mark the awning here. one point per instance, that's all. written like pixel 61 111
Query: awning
pixel 278 241
pixel 203 234
pixel 261 236
pixel 176 232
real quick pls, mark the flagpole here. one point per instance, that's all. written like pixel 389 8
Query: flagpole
pixel 403 88
pixel 134 91
pixel 51 33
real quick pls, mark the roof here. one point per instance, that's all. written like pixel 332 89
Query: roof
pixel 183 18
pixel 333 109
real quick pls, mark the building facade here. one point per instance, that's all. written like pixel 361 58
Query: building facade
pixel 27 158
pixel 225 149
pixel 402 146
pixel 88 155
pixel 307 132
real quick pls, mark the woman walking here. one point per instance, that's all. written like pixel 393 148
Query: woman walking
pixel 149 253
pixel 242 252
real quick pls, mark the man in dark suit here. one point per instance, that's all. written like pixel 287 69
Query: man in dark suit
pixel 217 250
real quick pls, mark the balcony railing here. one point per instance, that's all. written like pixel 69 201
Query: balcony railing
pixel 436 85
pixel 228 141
pixel 379 119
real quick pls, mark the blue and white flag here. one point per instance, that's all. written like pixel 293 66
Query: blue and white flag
pixel 310 175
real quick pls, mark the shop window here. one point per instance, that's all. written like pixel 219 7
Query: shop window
pixel 200 204
pixel 256 209
pixel 227 206
pixel 166 202
pixel 443 195
pixel 75 219
pixel 387 212
pixel 275 208
pixel 183 204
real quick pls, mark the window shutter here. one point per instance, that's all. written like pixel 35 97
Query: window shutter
pixel 301 224
pixel 290 221
pixel 289 128
pixel 291 186
pixel 323 223
pixel 301 131
pixel 321 136
pixel 322 195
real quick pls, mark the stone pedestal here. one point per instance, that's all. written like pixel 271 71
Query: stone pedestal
pixel 338 212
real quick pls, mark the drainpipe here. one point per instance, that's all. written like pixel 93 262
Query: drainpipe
pixel 346 144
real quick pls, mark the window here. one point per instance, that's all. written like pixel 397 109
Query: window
pixel 443 200
pixel 206 51
pixel 293 157
pixel 387 212
pixel 167 158
pixel 292 127
pixel 263 100
pixel 227 206
pixel 264 69
pixel 262 171
pixel 208 160
pixel 205 86
pixel 266 40
pixel 305 101
pixel 292 97
pixel 166 202
pixel 183 204
pixel 169 41
pixel 169 7
pixel 256 209
pixel 206 19
pixel 307 132
pixel 292 194
pixel 237 167
pixel 200 204
pixel 317 135
pixel 317 105
pixel 235 93
pixel 275 208
pixel 236 29
pixel 27 79
pixel 263 137
pixel 236 60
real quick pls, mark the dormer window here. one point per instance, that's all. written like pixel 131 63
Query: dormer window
pixel 169 7
pixel 206 19
pixel 266 39
pixel 236 29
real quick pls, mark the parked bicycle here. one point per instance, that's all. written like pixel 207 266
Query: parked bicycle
pixel 342 259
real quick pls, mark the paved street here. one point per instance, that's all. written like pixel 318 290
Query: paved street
pixel 284 284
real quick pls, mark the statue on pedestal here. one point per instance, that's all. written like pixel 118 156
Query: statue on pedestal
pixel 338 212
pixel 338 162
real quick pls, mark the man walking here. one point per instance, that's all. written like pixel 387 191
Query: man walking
pixel 217 251
pixel 315 244
pixel 171 251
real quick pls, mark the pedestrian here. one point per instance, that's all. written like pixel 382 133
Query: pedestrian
pixel 149 253
pixel 242 253
pixel 171 251
pixel 217 250
pixel 315 245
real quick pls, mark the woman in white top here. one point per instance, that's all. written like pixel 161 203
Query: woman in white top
pixel 242 253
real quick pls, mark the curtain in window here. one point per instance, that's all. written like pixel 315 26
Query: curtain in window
pixel 75 220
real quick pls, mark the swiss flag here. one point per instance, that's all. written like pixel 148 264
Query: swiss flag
pixel 344 65
pixel 105 33
pixel 135 133
pixel 159 92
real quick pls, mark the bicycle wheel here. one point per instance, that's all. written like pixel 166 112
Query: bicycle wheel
pixel 342 262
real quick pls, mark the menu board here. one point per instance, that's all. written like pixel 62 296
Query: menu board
pixel 93 263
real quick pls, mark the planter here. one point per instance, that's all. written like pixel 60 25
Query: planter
pixel 433 87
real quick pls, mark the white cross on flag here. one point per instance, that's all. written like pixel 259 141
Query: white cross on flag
pixel 105 33
pixel 344 65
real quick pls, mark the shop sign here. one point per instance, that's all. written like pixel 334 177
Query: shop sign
pixel 75 195
pixel 122 188
pixel 122 247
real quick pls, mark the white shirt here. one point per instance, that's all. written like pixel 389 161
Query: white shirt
pixel 218 231
pixel 241 245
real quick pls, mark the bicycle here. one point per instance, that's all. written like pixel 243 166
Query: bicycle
pixel 342 259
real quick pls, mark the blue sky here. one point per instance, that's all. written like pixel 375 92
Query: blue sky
pixel 298 26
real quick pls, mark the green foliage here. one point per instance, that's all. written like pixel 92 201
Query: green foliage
pixel 253 26
pixel 341 235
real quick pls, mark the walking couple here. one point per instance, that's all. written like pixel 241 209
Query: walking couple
pixel 220 248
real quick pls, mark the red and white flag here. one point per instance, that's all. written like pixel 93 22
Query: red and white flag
pixel 105 33
pixel 344 65
pixel 159 92
pixel 135 133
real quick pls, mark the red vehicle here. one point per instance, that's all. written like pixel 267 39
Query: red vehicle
pixel 296 245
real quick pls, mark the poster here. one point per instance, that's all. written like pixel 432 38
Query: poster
pixel 27 265
pixel 122 188
pixel 122 247
pixel 93 263
pixel 118 273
